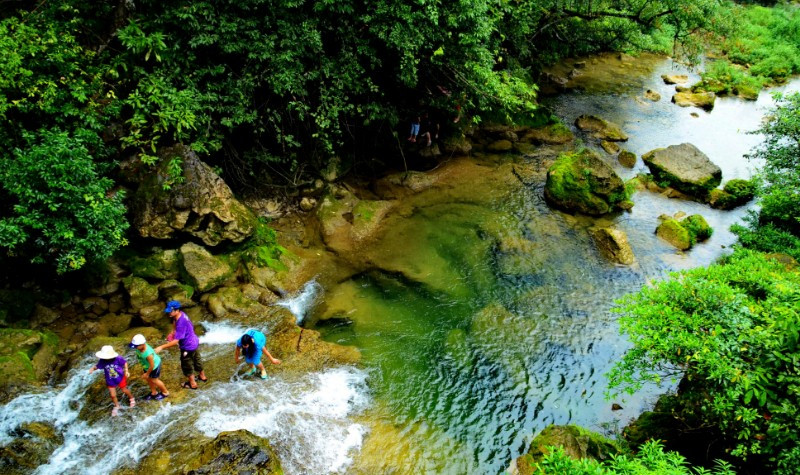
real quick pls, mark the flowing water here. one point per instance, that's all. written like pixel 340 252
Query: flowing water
pixel 485 317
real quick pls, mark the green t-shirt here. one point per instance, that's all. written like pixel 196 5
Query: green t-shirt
pixel 142 355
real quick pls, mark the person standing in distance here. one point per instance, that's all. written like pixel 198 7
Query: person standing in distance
pixel 183 335
pixel 252 344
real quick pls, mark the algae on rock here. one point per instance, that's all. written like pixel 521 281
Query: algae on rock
pixel 582 182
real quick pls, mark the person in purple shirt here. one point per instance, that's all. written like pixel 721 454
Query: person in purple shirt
pixel 116 372
pixel 184 336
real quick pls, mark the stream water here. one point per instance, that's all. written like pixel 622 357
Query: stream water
pixel 487 316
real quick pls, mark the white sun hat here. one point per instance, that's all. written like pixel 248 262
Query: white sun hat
pixel 106 353
pixel 137 340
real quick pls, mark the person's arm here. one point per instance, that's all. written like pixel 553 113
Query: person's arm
pixel 273 360
pixel 236 354
pixel 172 343
pixel 127 373
pixel 93 369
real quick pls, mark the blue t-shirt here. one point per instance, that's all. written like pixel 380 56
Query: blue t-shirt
pixel 114 370
pixel 259 341
pixel 184 332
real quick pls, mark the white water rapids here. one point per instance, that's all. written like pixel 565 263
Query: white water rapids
pixel 308 421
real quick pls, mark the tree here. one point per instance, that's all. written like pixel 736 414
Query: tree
pixel 732 332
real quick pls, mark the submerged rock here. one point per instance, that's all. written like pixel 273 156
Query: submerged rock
pixel 611 148
pixel 613 244
pixel 237 452
pixel 735 193
pixel 601 128
pixel 652 95
pixel 627 159
pixel 201 205
pixel 685 168
pixel 584 183
pixel 32 447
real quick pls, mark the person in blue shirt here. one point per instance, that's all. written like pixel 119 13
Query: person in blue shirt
pixel 252 344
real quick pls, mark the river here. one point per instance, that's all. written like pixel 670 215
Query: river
pixel 486 317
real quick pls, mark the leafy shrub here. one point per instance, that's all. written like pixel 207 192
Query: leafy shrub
pixel 263 249
pixel 732 329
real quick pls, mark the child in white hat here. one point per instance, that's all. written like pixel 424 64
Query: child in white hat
pixel 115 369
pixel 151 365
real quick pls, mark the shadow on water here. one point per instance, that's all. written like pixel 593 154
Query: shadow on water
pixel 502 321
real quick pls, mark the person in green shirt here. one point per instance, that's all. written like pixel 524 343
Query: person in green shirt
pixel 151 364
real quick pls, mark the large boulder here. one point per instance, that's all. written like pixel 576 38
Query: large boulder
pixel 140 292
pixel 582 182
pixel 601 128
pixel 577 442
pixel 237 452
pixel 201 205
pixel 685 168
pixel 205 271
pixel 613 244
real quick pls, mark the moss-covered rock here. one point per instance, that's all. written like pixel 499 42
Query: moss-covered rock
pixel 627 159
pixel 611 148
pixel 735 193
pixel 46 357
pixel 698 228
pixel 675 78
pixel 204 270
pixel 671 231
pixel 161 265
pixel 600 128
pixel 32 446
pixel 140 292
pixel 703 100
pixel 576 441
pixel 685 168
pixel 456 145
pixel 500 146
pixel 582 182
pixel 237 452
pixel 116 324
pixel 553 134
pixel 16 368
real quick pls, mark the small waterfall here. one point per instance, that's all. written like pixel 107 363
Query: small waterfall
pixel 308 420
pixel 300 304
pixel 221 333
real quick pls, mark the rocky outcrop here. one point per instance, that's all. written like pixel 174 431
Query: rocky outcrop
pixel 204 270
pixel 684 168
pixel 582 182
pixel 577 442
pixel 199 204
pixel 613 244
pixel 26 356
pixel 162 264
pixel 600 128
pixel 500 146
pixel 703 100
pixel 237 452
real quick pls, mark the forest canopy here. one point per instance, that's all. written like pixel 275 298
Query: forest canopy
pixel 269 91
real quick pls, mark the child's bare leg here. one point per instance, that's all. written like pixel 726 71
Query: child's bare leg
pixel 161 386
pixel 261 368
pixel 128 393
pixel 152 385
pixel 113 393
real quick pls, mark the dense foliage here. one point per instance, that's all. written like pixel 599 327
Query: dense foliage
pixel 650 460
pixel 776 227
pixel 732 331
pixel 759 46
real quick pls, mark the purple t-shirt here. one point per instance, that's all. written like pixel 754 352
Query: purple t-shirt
pixel 114 370
pixel 184 331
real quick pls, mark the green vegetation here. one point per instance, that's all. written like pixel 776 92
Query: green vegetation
pixel 650 459
pixel 759 46
pixel 730 332
pixel 580 181
pixel 263 249
pixel 270 92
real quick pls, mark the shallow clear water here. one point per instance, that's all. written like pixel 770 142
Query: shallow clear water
pixel 491 317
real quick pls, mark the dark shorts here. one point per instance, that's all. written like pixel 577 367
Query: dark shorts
pixel 156 373
pixel 191 362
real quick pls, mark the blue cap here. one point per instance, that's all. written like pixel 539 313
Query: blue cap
pixel 172 305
